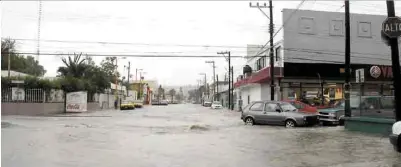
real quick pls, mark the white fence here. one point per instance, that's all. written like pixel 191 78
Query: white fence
pixel 22 95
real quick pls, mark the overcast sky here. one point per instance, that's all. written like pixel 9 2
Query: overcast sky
pixel 153 28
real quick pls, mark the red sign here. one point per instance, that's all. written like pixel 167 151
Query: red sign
pixel 385 72
pixel 73 106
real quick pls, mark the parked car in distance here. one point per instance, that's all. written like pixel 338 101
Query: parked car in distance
pixel 163 102
pixel 216 105
pixel 127 105
pixel 207 104
pixel 154 102
pixel 277 113
pixel 370 106
pixel 302 106
pixel 138 103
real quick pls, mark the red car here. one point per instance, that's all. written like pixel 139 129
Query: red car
pixel 302 106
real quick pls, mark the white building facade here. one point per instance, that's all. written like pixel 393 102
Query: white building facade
pixel 255 86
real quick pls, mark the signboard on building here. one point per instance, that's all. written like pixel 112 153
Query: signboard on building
pixel 77 101
pixel 17 94
pixel 360 75
pixel 392 27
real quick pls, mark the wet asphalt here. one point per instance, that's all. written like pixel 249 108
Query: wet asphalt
pixel 182 135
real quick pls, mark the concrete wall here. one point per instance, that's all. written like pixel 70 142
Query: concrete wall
pixel 319 37
pixel 254 92
pixel 33 109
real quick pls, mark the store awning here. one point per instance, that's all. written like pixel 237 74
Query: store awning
pixel 262 75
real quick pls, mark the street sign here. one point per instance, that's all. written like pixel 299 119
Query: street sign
pixel 17 81
pixel 360 75
pixel 392 27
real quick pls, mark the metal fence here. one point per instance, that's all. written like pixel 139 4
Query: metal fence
pixel 22 95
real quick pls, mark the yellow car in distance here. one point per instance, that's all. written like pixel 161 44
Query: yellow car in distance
pixel 127 105
pixel 138 103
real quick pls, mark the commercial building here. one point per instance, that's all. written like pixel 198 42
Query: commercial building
pixel 312 56
pixel 254 85
pixel 144 89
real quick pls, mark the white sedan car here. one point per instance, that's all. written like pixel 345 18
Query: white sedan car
pixel 395 136
pixel 216 105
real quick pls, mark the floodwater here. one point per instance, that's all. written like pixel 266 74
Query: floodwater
pixel 182 135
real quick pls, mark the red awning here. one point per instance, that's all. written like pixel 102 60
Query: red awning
pixel 260 76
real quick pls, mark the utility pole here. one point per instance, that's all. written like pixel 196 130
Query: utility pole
pixel 206 90
pixel 271 30
pixel 232 88
pixel 229 73
pixel 9 64
pixel 214 77
pixel 136 74
pixel 229 81
pixel 116 78
pixel 347 60
pixel 271 54
pixel 129 68
pixel 217 87
pixel 396 64
pixel 214 81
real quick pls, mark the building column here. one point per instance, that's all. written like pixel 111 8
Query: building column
pixel 285 90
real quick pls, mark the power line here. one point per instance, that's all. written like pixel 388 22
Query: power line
pixel 39 22
pixel 320 52
pixel 129 55
pixel 285 22
pixel 128 43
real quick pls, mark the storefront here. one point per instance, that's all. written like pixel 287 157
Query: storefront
pixel 256 86
pixel 312 79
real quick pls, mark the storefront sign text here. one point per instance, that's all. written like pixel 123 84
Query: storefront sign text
pixel 385 72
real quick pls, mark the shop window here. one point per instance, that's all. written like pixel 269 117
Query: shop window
pixel 388 102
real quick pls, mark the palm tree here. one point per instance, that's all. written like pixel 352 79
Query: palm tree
pixel 159 92
pixel 172 94
pixel 74 67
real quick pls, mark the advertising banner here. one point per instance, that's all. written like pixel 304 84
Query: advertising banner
pixel 17 94
pixel 77 101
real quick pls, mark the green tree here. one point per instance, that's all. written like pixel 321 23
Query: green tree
pixel 74 66
pixel 20 63
pixel 82 74
pixel 172 94
pixel 161 93
pixel 109 66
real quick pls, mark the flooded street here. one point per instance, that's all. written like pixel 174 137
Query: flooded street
pixel 183 135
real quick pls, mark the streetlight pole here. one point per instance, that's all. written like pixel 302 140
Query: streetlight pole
pixel 229 73
pixel 129 69
pixel 214 78
pixel 205 90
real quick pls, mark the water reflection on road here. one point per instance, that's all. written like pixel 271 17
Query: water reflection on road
pixel 182 135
